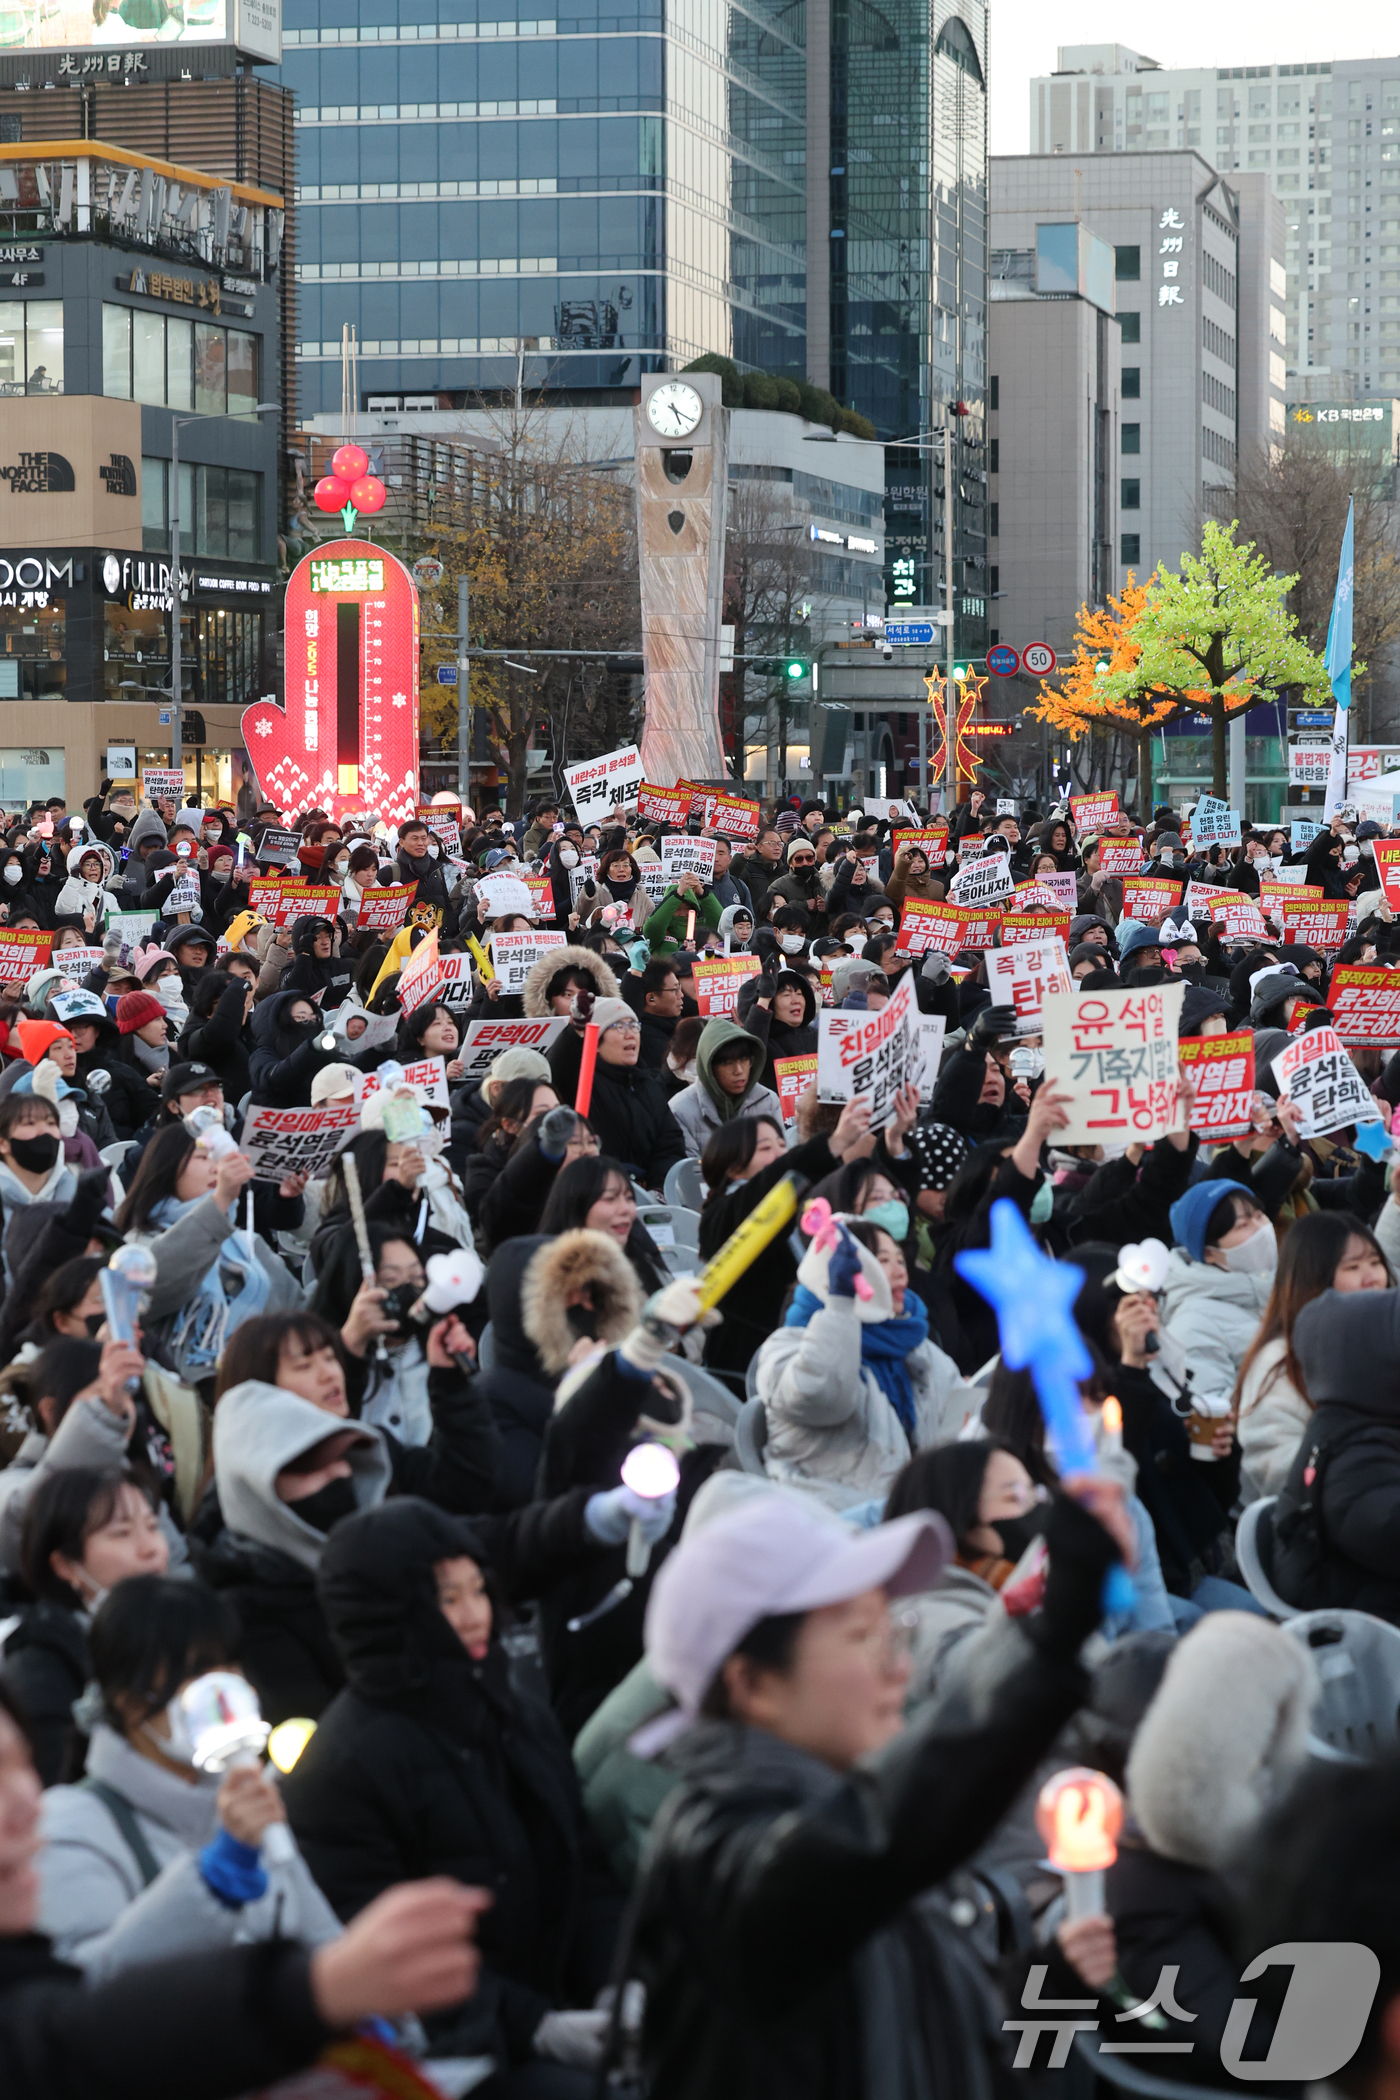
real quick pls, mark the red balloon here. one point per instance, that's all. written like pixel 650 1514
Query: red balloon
pixel 350 463
pixel 331 493
pixel 368 494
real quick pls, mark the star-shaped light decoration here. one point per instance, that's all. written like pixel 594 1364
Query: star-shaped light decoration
pixel 1033 1299
pixel 1372 1138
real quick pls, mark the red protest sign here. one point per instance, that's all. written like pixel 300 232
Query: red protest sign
pixel 1240 917
pixel 794 1075
pixel 1201 897
pixel 717 981
pixel 1223 1069
pixel 663 805
pixel 384 909
pixel 282 898
pixel 1388 868
pixel 928 922
pixel 421 974
pixel 1150 897
pixel 733 816
pixel 542 894
pixel 1365 1004
pixel 1120 856
pixel 932 843
pixel 1092 812
pixel 22 952
pixel 1032 926
pixel 1273 894
pixel 1313 925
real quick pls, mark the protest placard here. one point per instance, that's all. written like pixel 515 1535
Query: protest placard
pixel 485 1040
pixel 1388 868
pixel 1301 833
pixel 280 899
pixel 890 811
pixel 497 896
pixel 444 822
pixel 279 848
pixel 364 1031
pixel 541 890
pixel 419 977
pixel 455 986
pixel 1020 926
pixel 663 805
pixel 76 962
pixel 870 1056
pixel 1313 925
pixel 1240 918
pixel 1308 764
pixel 163 784
pixel 683 855
pixel 1274 895
pixel 1223 1069
pixel 1007 809
pixel 1092 812
pixel 1120 857
pixel 1293 875
pixel 22 952
pixel 932 842
pixel 427 1075
pixel 131 929
pixel 514 955
pixel 1062 886
pixel 1116 1053
pixel 1214 823
pixel 598 785
pixel 1150 897
pixel 932 1029
pixel 449 811
pixel 1202 896
pixel 928 922
pixel 586 872
pixel 384 908
pixel 183 895
pixel 1022 974
pixel 653 882
pixel 283 1141
pixel 733 815
pixel 1317 1075
pixel 985 881
pixel 1365 1003
pixel 794 1075
pixel 717 982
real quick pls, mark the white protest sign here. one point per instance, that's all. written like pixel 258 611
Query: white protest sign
pixel 654 880
pixel 514 955
pixel 1022 974
pixel 76 962
pixel 1317 1075
pixel 870 1056
pixel 184 894
pixel 282 1141
pixel 1200 896
pixel 932 1028
pixel 455 986
pixel 1309 764
pixel 586 871
pixel 377 1029
pixel 1008 809
pixel 597 785
pixel 681 855
pixel 485 1040
pixel 498 894
pixel 983 881
pixel 162 783
pixel 426 1075
pixel 1116 1053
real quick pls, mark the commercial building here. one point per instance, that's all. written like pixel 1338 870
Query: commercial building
pixel 1327 140
pixel 135 292
pixel 1183 242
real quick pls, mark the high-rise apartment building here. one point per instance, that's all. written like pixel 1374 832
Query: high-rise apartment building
pixel 1327 137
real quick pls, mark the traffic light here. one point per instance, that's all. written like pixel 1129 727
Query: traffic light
pixel 794 668
pixel 961 672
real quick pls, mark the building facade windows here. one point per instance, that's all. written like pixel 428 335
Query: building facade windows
pixel 1132 437
pixel 1130 549
pixel 219 510
pixel 31 346
pixel 1127 264
pixel 1130 495
pixel 169 362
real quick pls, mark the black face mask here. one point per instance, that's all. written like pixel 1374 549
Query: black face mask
pixel 583 1321
pixel 93 1324
pixel 328 1505
pixel 1193 972
pixel 1016 1533
pixel 37 1154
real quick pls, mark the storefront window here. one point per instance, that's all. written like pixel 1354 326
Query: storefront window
pixel 33 641
pixel 179 363
pixel 31 346
pixel 148 357
pixel 242 373
pixel 243 495
pixel 151 357
pixel 28 776
pixel 116 352
pixel 210 370
pixel 136 653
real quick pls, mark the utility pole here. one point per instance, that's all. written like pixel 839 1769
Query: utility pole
pixel 464 696
pixel 950 690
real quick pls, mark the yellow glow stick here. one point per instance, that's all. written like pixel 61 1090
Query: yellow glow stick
pixel 483 960
pixel 743 1247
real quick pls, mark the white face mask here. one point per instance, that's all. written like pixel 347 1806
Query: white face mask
pixel 14 874
pixel 1256 1256
pixel 567 857
pixel 792 944
pixel 170 991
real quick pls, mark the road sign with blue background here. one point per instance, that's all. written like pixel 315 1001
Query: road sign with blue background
pixel 1005 661
pixel 909 632
pixel 1321 720
pixel 447 674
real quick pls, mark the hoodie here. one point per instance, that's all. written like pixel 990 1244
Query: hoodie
pixel 77 895
pixel 309 973
pixel 285 1058
pixel 703 1106
pixel 780 1038
pixel 259 1430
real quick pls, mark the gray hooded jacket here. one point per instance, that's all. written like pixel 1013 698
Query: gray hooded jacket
pixel 259 1430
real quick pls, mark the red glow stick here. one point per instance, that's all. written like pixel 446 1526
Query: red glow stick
pixel 584 1094
pixel 690 929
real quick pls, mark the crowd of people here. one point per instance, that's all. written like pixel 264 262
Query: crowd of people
pixel 717 1774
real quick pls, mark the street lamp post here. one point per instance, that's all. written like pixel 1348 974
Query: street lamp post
pixel 177 423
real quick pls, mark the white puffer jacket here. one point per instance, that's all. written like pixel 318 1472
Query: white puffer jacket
pixel 1274 1419
pixel 1212 1315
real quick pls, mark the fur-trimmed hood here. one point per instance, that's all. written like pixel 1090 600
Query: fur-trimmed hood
pixel 577 1260
pixel 571 958
pixel 104 853
pixel 1223 1739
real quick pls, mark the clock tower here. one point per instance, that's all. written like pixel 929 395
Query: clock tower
pixel 682 449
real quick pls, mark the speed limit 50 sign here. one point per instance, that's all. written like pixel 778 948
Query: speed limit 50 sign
pixel 1039 659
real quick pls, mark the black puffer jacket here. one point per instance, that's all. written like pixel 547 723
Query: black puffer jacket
pixel 629 1112
pixel 517 1388
pixel 45 1667
pixel 308 973
pixel 432 1763
pixel 222 1040
pixel 285 1058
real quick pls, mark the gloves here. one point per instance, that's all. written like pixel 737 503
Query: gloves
pixel 665 1317
pixel 609 1516
pixel 556 1130
pixel 572 2038
pixel 936 968
pixel 639 955
pixel 844 1268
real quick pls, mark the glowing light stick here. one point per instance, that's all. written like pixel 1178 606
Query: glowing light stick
pixel 744 1245
pixel 1112 1425
pixel 583 1094
pixel 650 1470
pixel 1079 1813
pixel 227 1730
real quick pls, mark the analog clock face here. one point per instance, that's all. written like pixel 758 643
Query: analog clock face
pixel 674 409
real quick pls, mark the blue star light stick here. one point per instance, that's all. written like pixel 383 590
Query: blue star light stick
pixel 1372 1138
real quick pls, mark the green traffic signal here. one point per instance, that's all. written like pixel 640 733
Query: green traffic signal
pixel 795 668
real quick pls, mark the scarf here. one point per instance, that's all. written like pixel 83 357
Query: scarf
pixel 235 1289
pixel 147 1057
pixel 885 1348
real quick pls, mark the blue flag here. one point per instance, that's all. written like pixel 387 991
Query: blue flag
pixel 1337 658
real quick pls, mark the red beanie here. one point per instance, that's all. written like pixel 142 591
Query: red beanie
pixel 36 1037
pixel 135 1009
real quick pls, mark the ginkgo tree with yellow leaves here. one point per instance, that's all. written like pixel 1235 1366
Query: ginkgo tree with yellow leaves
pixel 1211 638
pixel 1079 706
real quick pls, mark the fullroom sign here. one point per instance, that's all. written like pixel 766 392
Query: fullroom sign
pixel 348 739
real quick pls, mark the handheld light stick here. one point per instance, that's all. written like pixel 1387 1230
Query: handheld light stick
pixel 357 1217
pixel 1112 1425
pixel 130 1271
pixel 206 1127
pixel 1079 1814
pixel 227 1731
pixel 744 1245
pixel 651 1471
pixel 453 1279
pixel 583 1094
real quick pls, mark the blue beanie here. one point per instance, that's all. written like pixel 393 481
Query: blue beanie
pixel 1191 1214
pixel 1140 937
